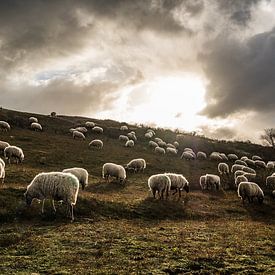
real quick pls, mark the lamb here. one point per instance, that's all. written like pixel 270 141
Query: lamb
pixel 256 158
pixel 215 156
pixel 113 170
pixel 187 155
pixel 260 164
pixel 123 138
pixel 33 119
pixel 130 143
pixel 270 182
pixel 159 183
pixel 123 128
pixel 57 186
pixel 171 151
pixel 232 156
pixel 3 145
pixel 2 170
pixel 153 144
pixel 4 126
pixel 89 124
pixel 81 174
pixel 77 134
pixel 236 167
pixel 250 190
pixel 201 155
pixel 248 170
pixel 238 173
pixel 240 179
pixel 136 165
pixel 270 165
pixel 97 130
pixel 240 162
pixel 250 176
pixel 36 126
pixel 223 168
pixel 81 129
pixel 159 150
pixel 14 152
pixel 178 183
pixel 96 143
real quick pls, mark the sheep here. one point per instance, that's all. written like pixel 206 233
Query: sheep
pixel 238 173
pixel 250 190
pixel 132 136
pixel 3 145
pixel 72 130
pixel 148 135
pixel 223 168
pixel 36 126
pixel 250 176
pixel 81 174
pixel 81 129
pixel 244 158
pixel 232 156
pixel 240 179
pixel 96 143
pixel 178 183
pixel 77 134
pixel 250 162
pixel 57 186
pixel 133 132
pixel 236 167
pixel 270 165
pixel 151 131
pixel 248 170
pixel 89 124
pixel 212 181
pixel 33 119
pixel 201 155
pixel 256 158
pixel 260 164
pixel 241 162
pixel 136 165
pixel 171 151
pixel 187 155
pixel 187 149
pixel 162 144
pixel 203 182
pixel 170 145
pixel 113 170
pixel 160 151
pixel 223 156
pixel 123 138
pixel 123 128
pixel 153 144
pixel 14 152
pixel 157 140
pixel 4 126
pixel 159 183
pixel 176 144
pixel 97 130
pixel 2 170
pixel 215 156
pixel 270 182
pixel 130 143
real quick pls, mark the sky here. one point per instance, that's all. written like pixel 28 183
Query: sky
pixel 196 65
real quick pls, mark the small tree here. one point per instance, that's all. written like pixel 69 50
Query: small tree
pixel 269 137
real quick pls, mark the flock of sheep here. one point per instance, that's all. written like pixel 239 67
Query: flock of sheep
pixel 64 186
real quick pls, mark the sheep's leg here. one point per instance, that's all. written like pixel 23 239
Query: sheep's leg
pixel 42 209
pixel 154 193
pixel 54 209
pixel 161 194
pixel 72 212
pixel 167 193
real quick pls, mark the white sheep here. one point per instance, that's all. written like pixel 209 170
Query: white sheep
pixel 81 174
pixel 3 145
pixel 250 162
pixel 137 165
pixel 77 134
pixel 236 167
pixel 250 176
pixel 123 138
pixel 223 156
pixel 14 152
pixel 240 179
pixel 270 182
pixel 270 165
pixel 132 136
pixel 123 128
pixel 244 158
pixel 178 183
pixel 170 145
pixel 130 143
pixel 2 170
pixel 96 143
pixel 256 158
pixel 89 124
pixel 159 150
pixel 57 186
pixel 187 155
pixel 148 135
pixel 171 151
pixel 152 144
pixel 260 164
pixel 162 144
pixel 97 130
pixel 215 156
pixel 4 126
pixel 113 170
pixel 201 155
pixel 81 129
pixel 238 173
pixel 223 168
pixel 250 190
pixel 248 170
pixel 241 162
pixel 212 182
pixel 176 144
pixel 159 183
pixel 33 119
pixel 157 140
pixel 151 131
pixel 72 130
pixel 36 126
pixel 203 182
pixel 232 156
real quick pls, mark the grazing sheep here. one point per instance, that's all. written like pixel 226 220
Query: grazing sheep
pixel 203 182
pixel 162 144
pixel 178 183
pixel 260 164
pixel 240 179
pixel 270 165
pixel 215 156
pixel 236 167
pixel 123 138
pixel 77 134
pixel 160 151
pixel 250 162
pixel 3 145
pixel 170 145
pixel 238 173
pixel 212 182
pixel 223 156
pixel 187 149
pixel 171 151
pixel 250 176
pixel 151 131
pixel 72 130
pixel 96 143
pixel 136 165
pixel 81 129
pixel 97 130
pixel 4 126
pixel 57 186
pixel 256 158
pixel 176 144
pixel 132 136
pixel 240 162
pixel 14 152
pixel 36 126
pixel 148 135
pixel 187 155
pixel 250 190
pixel 157 140
pixel 130 143
pixel 159 183
pixel 270 182
pixel 153 144
pixel 123 128
pixel 33 119
pixel 232 156
pixel 201 155
pixel 113 170
pixel 2 170
pixel 248 170
pixel 89 124
pixel 81 174
pixel 244 158
pixel 223 168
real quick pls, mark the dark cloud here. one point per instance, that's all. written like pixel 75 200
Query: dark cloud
pixel 241 75
pixel 218 132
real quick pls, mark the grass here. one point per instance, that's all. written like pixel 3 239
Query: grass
pixel 120 229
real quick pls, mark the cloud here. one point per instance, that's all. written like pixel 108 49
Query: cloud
pixel 218 132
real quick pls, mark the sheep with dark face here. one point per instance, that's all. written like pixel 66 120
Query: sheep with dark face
pixel 249 191
pixel 178 183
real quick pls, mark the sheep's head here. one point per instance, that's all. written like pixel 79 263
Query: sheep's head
pixel 186 188
pixel 28 198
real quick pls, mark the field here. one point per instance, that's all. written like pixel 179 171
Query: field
pixel 121 229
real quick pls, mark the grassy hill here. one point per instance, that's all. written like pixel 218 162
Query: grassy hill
pixel 120 229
